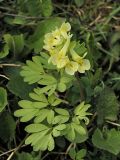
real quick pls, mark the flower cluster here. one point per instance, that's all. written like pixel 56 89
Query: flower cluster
pixel 58 44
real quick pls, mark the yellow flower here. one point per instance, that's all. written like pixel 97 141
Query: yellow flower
pixel 49 39
pixel 84 64
pixel 71 67
pixel 65 27
pixel 57 43
pixel 57 37
pixel 60 59
pixel 52 40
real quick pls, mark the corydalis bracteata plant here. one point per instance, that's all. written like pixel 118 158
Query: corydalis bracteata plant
pixel 53 72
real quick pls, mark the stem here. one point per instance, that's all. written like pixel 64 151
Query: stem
pixel 17 148
pixel 82 96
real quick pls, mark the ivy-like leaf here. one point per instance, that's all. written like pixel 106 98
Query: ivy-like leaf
pixel 7 127
pixel 107 106
pixel 15 43
pixel 109 141
pixel 46 8
pixel 17 86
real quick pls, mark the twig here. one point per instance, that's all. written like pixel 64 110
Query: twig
pixel 113 123
pixel 22 16
pixel 6 8
pixel 9 65
pixel 16 149
pixel 45 156
pixel 95 21
pixel 1 75
pixel 5 153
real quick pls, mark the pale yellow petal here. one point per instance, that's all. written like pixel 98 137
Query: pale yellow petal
pixel 66 46
pixel 71 67
pixel 85 65
pixel 59 60
pixel 76 57
pixel 56 33
pixel 65 27
pixel 62 62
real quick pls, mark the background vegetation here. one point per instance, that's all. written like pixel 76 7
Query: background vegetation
pixel 23 24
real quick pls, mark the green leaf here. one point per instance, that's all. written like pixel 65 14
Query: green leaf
pixel 72 153
pixel 107 106
pixel 32 109
pixel 24 156
pixel 33 71
pixel 75 132
pixel 25 104
pixel 81 112
pixel 109 141
pixel 41 137
pixel 4 52
pixel 44 61
pixel 56 133
pixel 49 90
pixel 51 143
pixel 53 100
pixel 60 119
pixel 79 3
pixel 96 77
pixel 17 86
pixel 26 114
pixel 3 98
pixel 7 127
pixel 43 113
pixel 45 26
pixel 61 111
pixel 50 116
pixel 15 43
pixel 79 48
pixel 61 87
pixel 30 7
pixel 60 127
pixel 47 80
pixel 57 129
pixel 73 95
pixel 47 8
pixel 81 154
pixel 35 128
pixel 38 97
